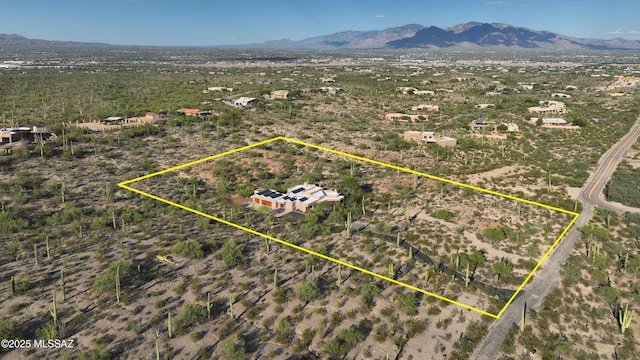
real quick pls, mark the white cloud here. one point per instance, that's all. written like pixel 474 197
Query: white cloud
pixel 378 16
pixel 624 32
pixel 496 3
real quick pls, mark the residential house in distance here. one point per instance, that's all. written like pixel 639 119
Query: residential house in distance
pixel 550 121
pixel 561 95
pixel 400 117
pixel 11 135
pixel 279 94
pixel 429 137
pixel 330 89
pixel 406 89
pixel 424 92
pixel 485 106
pixel 328 79
pixel 300 198
pixel 113 120
pixel 549 107
pixel 193 112
pixel 511 127
pixel 217 88
pixel 482 123
pixel 243 102
pixel 424 107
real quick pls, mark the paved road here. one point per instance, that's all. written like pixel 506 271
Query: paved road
pixel 547 277
pixel 591 193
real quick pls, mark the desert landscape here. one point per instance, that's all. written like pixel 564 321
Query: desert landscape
pixel 129 276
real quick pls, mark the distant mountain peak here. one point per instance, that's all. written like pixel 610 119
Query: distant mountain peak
pixel 19 40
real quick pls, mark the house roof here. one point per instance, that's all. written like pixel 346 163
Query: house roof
pixel 306 194
pixel 113 118
pixel 189 111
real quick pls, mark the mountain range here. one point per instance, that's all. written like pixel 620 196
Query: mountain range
pixel 472 35
pixel 7 40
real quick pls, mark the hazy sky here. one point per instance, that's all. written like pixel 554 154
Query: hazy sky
pixel 215 22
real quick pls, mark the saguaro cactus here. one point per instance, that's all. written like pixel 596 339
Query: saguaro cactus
pixel 347 225
pixel 467 278
pixel 624 318
pixel 46 243
pixel 169 327
pixel 54 309
pixel 118 284
pixel 35 253
pixel 390 271
pixel 209 305
pixel 231 307
pixel 275 278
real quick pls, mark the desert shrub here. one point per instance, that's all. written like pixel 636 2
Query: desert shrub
pixel 107 282
pixel 189 249
pixel 232 254
pixel 191 315
pixel 443 214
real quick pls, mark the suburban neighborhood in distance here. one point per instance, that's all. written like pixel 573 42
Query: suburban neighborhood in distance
pixel 466 191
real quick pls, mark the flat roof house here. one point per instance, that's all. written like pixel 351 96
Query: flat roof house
pixel 279 94
pixel 549 107
pixel 425 107
pixel 300 198
pixel 429 137
pixel 113 120
pixel 11 135
pixel 243 102
pixel 400 117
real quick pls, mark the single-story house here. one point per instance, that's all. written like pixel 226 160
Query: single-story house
pixel 11 135
pixel 330 89
pixel 425 107
pixel 549 107
pixel 400 117
pixel 485 106
pixel 190 112
pixel 406 89
pixel 424 92
pixel 219 88
pixel 429 137
pixel 113 120
pixel 300 198
pixel 482 123
pixel 511 127
pixel 279 94
pixel 553 121
pixel 243 102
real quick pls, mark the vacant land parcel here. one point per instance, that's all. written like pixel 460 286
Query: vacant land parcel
pixel 400 225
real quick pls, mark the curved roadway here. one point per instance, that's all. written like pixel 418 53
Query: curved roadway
pixel 547 276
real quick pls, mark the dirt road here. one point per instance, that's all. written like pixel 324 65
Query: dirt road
pixel 547 277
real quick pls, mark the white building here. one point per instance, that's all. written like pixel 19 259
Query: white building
pixel 299 198
pixel 243 102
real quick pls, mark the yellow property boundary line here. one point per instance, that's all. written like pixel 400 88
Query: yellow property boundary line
pixel 125 185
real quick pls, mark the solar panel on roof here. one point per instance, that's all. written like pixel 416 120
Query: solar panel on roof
pixel 298 190
pixel 302 199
